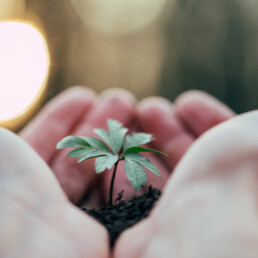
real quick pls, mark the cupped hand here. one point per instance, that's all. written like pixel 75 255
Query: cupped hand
pixel 209 206
pixel 78 111
pixel 36 218
pixel 175 127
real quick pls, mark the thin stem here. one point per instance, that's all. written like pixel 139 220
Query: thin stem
pixel 112 184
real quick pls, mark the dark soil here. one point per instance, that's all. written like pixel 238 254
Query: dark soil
pixel 124 214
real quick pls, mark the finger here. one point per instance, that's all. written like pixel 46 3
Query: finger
pixel 76 178
pixel 157 116
pixel 216 179
pixel 115 103
pixel 200 111
pixel 36 218
pixel 57 119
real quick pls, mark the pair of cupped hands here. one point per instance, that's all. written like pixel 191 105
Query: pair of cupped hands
pixel 209 181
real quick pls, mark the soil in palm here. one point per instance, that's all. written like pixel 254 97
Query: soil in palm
pixel 124 214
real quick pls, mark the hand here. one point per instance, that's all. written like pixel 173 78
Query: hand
pixel 36 218
pixel 209 206
pixel 78 111
pixel 175 127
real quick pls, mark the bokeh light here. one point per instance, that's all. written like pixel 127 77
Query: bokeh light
pixel 24 64
pixel 118 16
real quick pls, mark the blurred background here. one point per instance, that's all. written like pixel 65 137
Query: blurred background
pixel 150 47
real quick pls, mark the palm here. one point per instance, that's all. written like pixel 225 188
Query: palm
pixel 210 207
pixel 36 218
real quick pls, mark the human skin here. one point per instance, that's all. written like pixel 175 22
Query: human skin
pixel 209 206
pixel 78 111
pixel 36 218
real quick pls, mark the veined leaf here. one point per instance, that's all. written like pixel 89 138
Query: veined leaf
pixel 72 141
pixel 117 133
pixel 115 137
pixel 94 154
pixel 105 162
pixel 137 157
pixel 95 143
pixel 135 173
pixel 136 139
pixel 104 135
pixel 142 149
pixel 79 152
pixel 87 153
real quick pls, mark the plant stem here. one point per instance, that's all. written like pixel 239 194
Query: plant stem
pixel 112 184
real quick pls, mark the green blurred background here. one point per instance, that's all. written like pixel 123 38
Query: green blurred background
pixel 150 47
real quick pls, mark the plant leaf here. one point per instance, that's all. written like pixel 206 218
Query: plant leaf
pixel 87 153
pixel 94 154
pixel 136 139
pixel 135 173
pixel 137 157
pixel 95 143
pixel 105 162
pixel 117 134
pixel 79 152
pixel 142 149
pixel 72 141
pixel 115 137
pixel 104 135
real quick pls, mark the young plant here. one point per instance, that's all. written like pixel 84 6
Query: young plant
pixel 121 147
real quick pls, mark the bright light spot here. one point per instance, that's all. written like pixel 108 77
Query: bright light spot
pixel 118 16
pixel 24 65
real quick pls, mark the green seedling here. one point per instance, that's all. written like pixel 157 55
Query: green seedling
pixel 122 146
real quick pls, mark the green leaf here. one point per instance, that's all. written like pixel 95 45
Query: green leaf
pixel 115 137
pixel 136 139
pixel 87 153
pixel 106 162
pixel 142 149
pixel 72 141
pixel 137 157
pixel 104 135
pixel 117 134
pixel 94 154
pixel 79 152
pixel 135 173
pixel 96 143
